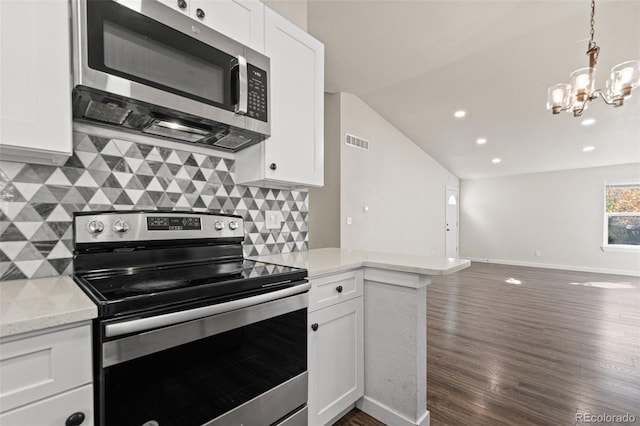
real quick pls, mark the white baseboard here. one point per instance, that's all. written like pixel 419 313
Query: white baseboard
pixel 555 266
pixel 389 416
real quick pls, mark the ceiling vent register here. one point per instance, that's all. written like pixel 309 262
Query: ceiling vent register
pixel 356 142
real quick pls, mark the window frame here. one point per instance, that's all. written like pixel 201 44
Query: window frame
pixel 626 248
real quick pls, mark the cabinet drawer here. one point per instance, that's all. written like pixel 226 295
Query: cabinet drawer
pixel 38 366
pixel 332 289
pixel 53 411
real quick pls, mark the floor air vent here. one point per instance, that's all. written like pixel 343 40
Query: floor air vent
pixel 356 142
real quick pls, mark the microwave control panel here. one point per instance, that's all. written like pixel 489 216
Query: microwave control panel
pixel 257 105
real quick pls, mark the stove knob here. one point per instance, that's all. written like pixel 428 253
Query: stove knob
pixel 219 226
pixel 95 227
pixel 233 225
pixel 120 226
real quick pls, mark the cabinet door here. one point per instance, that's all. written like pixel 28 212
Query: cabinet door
pixel 336 360
pixel 53 411
pixel 35 81
pixel 41 365
pixel 296 145
pixel 241 20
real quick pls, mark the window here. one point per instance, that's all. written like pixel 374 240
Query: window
pixel 622 215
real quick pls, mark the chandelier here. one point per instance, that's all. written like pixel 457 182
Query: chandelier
pixel 576 96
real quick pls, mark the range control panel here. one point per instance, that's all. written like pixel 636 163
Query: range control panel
pixel 145 226
pixel 257 105
pixel 176 223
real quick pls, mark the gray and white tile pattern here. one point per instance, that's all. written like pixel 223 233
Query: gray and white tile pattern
pixel 37 201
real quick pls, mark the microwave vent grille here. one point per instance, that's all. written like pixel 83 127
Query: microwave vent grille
pixel 107 112
pixel 356 141
pixel 232 141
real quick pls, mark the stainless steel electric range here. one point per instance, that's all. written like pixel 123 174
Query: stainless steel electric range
pixel 188 331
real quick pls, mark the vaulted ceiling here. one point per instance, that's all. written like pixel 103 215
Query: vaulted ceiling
pixel 417 62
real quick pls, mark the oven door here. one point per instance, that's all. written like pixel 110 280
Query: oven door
pixel 243 366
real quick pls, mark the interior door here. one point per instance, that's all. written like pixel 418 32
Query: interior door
pixel 451 219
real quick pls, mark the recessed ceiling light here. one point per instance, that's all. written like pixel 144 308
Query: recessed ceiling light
pixel 588 121
pixel 496 160
pixel 459 114
pixel 481 141
pixel 588 148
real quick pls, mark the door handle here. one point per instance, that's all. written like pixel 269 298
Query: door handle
pixel 243 86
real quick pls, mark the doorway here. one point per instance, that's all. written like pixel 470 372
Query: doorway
pixel 451 222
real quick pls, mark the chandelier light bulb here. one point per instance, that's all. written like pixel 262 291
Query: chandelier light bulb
pixel 625 75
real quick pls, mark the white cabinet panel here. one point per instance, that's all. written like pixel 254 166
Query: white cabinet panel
pixel 332 289
pixel 183 6
pixel 336 360
pixel 35 81
pixel 241 20
pixel 294 154
pixel 39 366
pixel 53 411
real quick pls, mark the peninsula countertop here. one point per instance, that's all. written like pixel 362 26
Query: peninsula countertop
pixel 36 304
pixel 331 260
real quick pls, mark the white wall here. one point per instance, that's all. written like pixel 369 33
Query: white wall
pixel 403 187
pixel 324 203
pixel 559 213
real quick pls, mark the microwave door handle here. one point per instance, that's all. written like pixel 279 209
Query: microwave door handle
pixel 243 86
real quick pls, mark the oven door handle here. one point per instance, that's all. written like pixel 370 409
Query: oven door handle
pixel 143 324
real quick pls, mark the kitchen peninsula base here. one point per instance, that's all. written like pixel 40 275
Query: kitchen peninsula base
pixel 395 336
pixel 395 325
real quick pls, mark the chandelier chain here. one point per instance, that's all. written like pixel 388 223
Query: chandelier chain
pixel 592 43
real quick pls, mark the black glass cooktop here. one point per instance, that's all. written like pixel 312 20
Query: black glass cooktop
pixel 135 290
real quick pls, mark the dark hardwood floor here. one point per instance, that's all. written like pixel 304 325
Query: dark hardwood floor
pixel 535 353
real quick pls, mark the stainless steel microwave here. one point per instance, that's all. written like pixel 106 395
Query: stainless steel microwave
pixel 144 67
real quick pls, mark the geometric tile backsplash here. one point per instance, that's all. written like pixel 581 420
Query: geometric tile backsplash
pixel 37 201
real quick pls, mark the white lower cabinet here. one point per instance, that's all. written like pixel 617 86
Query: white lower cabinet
pixel 54 411
pixel 47 378
pixel 335 351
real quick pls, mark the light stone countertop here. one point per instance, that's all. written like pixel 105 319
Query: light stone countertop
pixel 331 260
pixel 36 304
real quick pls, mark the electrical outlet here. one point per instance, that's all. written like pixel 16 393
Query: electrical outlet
pixel 349 220
pixel 538 253
pixel 273 219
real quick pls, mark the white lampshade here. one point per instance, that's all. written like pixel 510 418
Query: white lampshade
pixel 559 97
pixel 582 83
pixel 624 78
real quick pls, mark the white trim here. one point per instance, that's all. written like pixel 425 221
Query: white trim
pixel 554 266
pixel 621 248
pixel 403 279
pixel 389 416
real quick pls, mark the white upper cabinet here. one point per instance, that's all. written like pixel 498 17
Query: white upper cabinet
pixel 294 154
pixel 35 81
pixel 241 20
